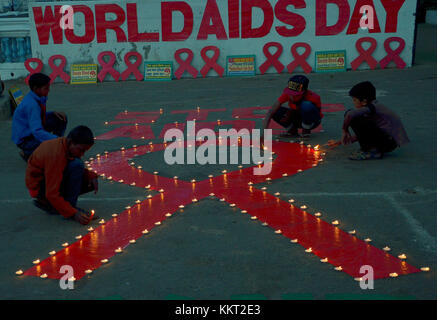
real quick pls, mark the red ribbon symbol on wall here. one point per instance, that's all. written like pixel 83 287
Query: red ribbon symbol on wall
pixel 211 63
pixel 365 55
pixel 393 55
pixel 185 65
pixel 321 238
pixel 107 67
pixel 272 59
pixel 300 59
pixel 37 69
pixel 132 68
pixel 58 71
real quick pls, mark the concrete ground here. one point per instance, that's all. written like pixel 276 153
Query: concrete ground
pixel 213 252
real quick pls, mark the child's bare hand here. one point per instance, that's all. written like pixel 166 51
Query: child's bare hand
pixel 82 217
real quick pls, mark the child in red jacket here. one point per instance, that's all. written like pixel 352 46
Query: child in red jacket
pixel 303 108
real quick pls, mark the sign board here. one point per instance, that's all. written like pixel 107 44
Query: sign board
pixel 240 66
pixel 83 73
pixel 330 61
pixel 158 70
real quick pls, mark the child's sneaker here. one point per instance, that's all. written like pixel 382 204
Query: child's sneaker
pixel 365 155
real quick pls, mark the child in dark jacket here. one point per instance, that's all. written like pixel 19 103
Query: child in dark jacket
pixel 31 124
pixel 377 129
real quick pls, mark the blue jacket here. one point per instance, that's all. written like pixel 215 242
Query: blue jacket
pixel 27 120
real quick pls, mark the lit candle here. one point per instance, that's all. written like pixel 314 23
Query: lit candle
pixel 161 190
pixel 168 214
pixel 335 222
pixel 194 200
pixel 308 146
pixel 264 188
pixel 140 167
pixel 268 179
pixel 181 206
pixel 132 241
pixel 293 240
pixel 278 231
pixel 65 244
pixel 138 201
pixel 352 232
pixel 402 256
pixel 250 183
pixel 425 269
pixel 300 170
pixel 127 208
pixel 145 231
pixel 115 215
pixel 35 261
pixel 43 276
pixel 104 261
pixel 265 224
pixel 254 218
pixel 212 194
pixel 243 211
pixel 175 177
pixel 90 229
pixel 339 268
pixel 155 172
pixel 317 147
pixel 106 122
pixel 232 205
pixel 240 167
pixel 52 253
pixel 118 250
pixel 78 237
pixel 386 248
pixel 303 207
pixel 102 221
pixel 309 250
pixel 133 183
pixel 121 181
pixel 291 200
pixel 149 196
pixel 393 274
pixel 318 214
pixel 210 176
pixel 277 194
pixel 285 175
pixel 158 223
pixel 72 279
pixel 358 279
pixel 224 171
pixel 19 272
pixel 88 271
pixel 222 199
pixel 193 181
pixel 148 186
pixel 324 260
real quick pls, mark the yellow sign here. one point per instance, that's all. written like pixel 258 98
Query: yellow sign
pixel 83 73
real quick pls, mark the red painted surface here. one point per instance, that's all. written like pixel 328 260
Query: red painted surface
pixel 325 240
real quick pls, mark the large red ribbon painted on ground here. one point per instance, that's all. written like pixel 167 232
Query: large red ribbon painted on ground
pixel 325 240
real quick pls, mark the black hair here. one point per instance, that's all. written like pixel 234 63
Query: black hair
pixel 81 135
pixel 363 90
pixel 38 80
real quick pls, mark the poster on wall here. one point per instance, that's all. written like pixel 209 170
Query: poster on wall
pixel 83 73
pixel 283 35
pixel 240 66
pixel 158 70
pixel 331 61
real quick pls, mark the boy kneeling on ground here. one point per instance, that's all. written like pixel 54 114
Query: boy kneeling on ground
pixel 377 129
pixel 31 124
pixel 303 109
pixel 56 176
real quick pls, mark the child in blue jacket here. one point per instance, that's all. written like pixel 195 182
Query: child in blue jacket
pixel 31 124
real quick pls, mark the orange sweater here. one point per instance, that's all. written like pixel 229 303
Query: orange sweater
pixel 46 165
